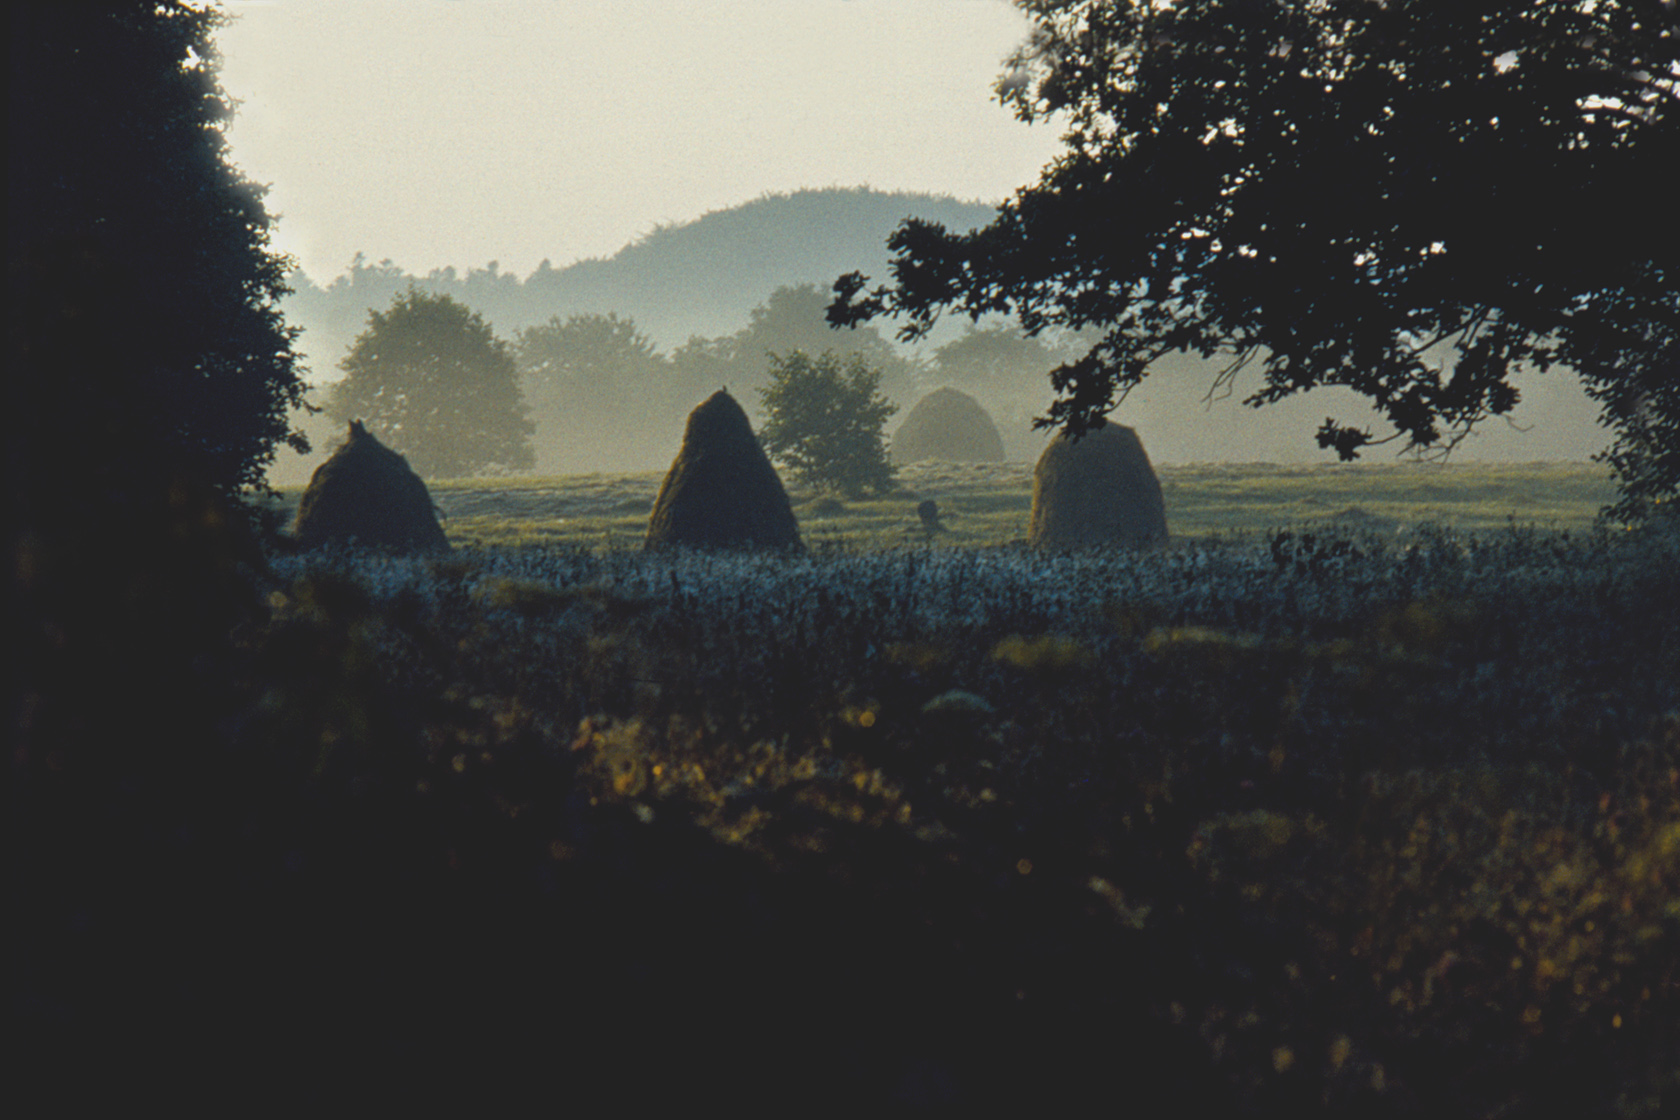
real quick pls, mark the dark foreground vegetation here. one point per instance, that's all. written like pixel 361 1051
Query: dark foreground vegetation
pixel 1298 824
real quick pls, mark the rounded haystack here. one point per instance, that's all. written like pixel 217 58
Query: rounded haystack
pixel 1097 490
pixel 949 426
pixel 366 494
pixel 721 491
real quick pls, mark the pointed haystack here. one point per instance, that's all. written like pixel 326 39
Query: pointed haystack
pixel 721 491
pixel 1098 490
pixel 950 426
pixel 366 494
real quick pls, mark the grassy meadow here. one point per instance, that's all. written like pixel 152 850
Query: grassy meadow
pixel 989 504
pixel 1361 799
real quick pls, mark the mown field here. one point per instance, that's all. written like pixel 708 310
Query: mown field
pixel 986 504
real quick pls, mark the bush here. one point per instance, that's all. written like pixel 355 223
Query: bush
pixel 824 419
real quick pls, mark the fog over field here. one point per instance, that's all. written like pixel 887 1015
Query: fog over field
pixel 675 165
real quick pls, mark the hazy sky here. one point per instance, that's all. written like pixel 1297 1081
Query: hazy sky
pixel 457 132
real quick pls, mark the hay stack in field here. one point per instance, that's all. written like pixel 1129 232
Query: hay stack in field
pixel 366 494
pixel 1097 490
pixel 721 491
pixel 950 426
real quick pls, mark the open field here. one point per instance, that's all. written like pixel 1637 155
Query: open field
pixel 986 504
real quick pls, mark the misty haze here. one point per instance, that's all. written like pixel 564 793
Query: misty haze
pixel 533 575
pixel 696 287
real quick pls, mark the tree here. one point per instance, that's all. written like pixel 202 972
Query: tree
pixel 824 420
pixel 792 318
pixel 596 364
pixel 432 381
pixel 144 320
pixel 596 386
pixel 996 359
pixel 1413 199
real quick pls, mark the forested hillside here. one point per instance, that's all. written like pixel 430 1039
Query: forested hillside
pixel 699 278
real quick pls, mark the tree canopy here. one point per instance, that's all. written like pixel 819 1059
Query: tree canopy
pixel 596 364
pixel 433 381
pixel 597 387
pixel 792 318
pixel 1413 199
pixel 144 297
pixel 996 358
pixel 824 418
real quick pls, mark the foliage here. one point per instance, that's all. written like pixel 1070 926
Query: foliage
pixel 792 318
pixel 1410 199
pixel 597 389
pixel 996 359
pixel 824 418
pixel 144 323
pixel 1347 826
pixel 430 378
pixel 594 365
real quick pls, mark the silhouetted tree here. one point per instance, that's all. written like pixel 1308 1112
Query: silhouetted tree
pixel 1412 199
pixel 824 418
pixel 148 381
pixel 432 380
pixel 143 321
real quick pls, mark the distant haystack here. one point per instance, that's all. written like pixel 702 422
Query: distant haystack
pixel 721 491
pixel 1098 490
pixel 366 494
pixel 949 426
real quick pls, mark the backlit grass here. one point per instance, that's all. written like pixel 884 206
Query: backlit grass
pixel 987 505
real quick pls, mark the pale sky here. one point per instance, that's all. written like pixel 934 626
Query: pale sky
pixel 457 132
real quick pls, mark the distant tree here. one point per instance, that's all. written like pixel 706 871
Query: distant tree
pixel 995 359
pixel 595 366
pixel 823 420
pixel 431 380
pixel 1412 199
pixel 792 318
pixel 143 320
pixel 701 366
pixel 600 392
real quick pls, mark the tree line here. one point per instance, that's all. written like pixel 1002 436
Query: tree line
pixel 591 392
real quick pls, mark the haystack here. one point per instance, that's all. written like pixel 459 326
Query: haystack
pixel 721 491
pixel 366 494
pixel 950 426
pixel 1097 490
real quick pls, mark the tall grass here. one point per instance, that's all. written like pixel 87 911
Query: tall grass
pixel 1318 821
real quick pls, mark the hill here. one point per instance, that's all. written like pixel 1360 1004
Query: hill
pixel 696 278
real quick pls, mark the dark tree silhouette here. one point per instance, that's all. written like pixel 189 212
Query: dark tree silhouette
pixel 148 382
pixel 434 382
pixel 144 313
pixel 1412 199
